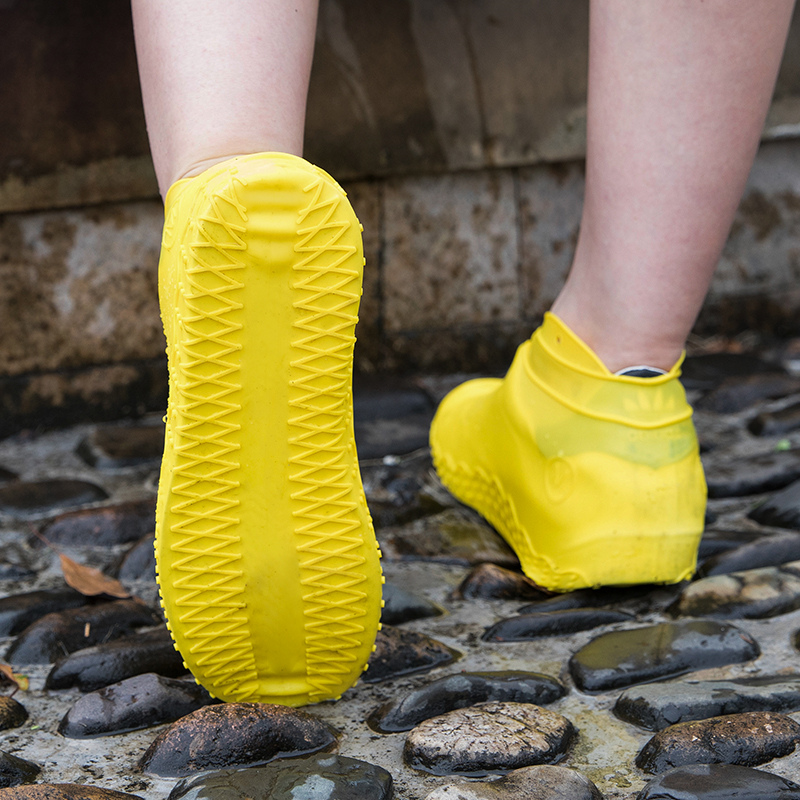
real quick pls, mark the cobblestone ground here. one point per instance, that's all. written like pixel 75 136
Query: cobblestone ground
pixel 690 691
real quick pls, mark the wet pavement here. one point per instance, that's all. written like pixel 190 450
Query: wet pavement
pixel 482 685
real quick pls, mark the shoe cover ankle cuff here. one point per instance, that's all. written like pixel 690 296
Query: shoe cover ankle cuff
pixel 563 366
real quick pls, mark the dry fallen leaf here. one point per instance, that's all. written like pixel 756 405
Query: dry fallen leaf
pixel 90 581
pixel 21 681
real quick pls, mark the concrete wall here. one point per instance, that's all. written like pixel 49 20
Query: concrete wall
pixel 458 129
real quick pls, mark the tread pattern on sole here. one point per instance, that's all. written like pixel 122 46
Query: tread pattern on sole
pixel 206 391
pixel 477 489
pixel 329 538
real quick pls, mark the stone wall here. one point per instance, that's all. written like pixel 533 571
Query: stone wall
pixel 465 171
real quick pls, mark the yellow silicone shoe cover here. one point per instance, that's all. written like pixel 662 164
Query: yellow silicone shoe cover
pixel 593 478
pixel 267 563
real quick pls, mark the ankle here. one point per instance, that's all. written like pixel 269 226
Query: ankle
pixel 621 347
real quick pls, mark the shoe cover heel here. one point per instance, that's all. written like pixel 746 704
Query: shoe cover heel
pixel 267 562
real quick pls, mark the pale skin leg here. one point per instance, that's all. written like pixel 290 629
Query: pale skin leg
pixel 221 79
pixel 678 93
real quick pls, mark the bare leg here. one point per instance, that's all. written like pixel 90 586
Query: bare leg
pixel 678 93
pixel 221 79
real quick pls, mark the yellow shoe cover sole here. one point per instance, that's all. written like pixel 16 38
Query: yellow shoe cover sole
pixel 554 479
pixel 267 563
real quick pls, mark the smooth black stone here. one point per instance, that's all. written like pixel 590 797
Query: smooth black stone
pixel 139 702
pixel 766 551
pixel 6 475
pixel 656 706
pixel 319 777
pixel 111 662
pixel 489 581
pixel 119 446
pixel 63 632
pixel 12 713
pixel 400 490
pixel 103 527
pixel 14 572
pixel 719 782
pixel 551 623
pixel 20 610
pixel 234 735
pixel 462 690
pixel 401 606
pixel 401 652
pixel 593 598
pixel 15 771
pixel 715 542
pixel 138 563
pixel 454 536
pixel 776 423
pixel 394 498
pixel 623 658
pixel 390 421
pixel 708 371
pixel 540 782
pixel 751 594
pixel 729 476
pixel 30 498
pixel 782 510
pixel 736 394
pixel 64 791
pixel 747 739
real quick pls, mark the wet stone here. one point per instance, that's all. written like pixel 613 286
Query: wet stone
pixel 12 713
pixel 489 737
pixel 489 581
pixel 138 563
pixel 234 735
pixel 646 596
pixel 401 652
pixel 656 706
pixel 542 782
pixel 782 510
pixel 462 690
pixel 95 667
pixel 15 564
pixel 103 527
pixel 729 475
pixel 719 782
pixel 552 623
pixel 708 371
pixel 119 446
pixel 26 499
pixel 715 542
pixel 15 771
pixel 64 791
pixel 452 537
pixel 623 658
pixel 752 594
pixel 319 777
pixel 390 421
pixel 139 702
pixel 402 489
pixel 63 632
pixel 737 394
pixel 766 551
pixel 776 423
pixel 748 739
pixel 6 475
pixel 402 606
pixel 20 610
